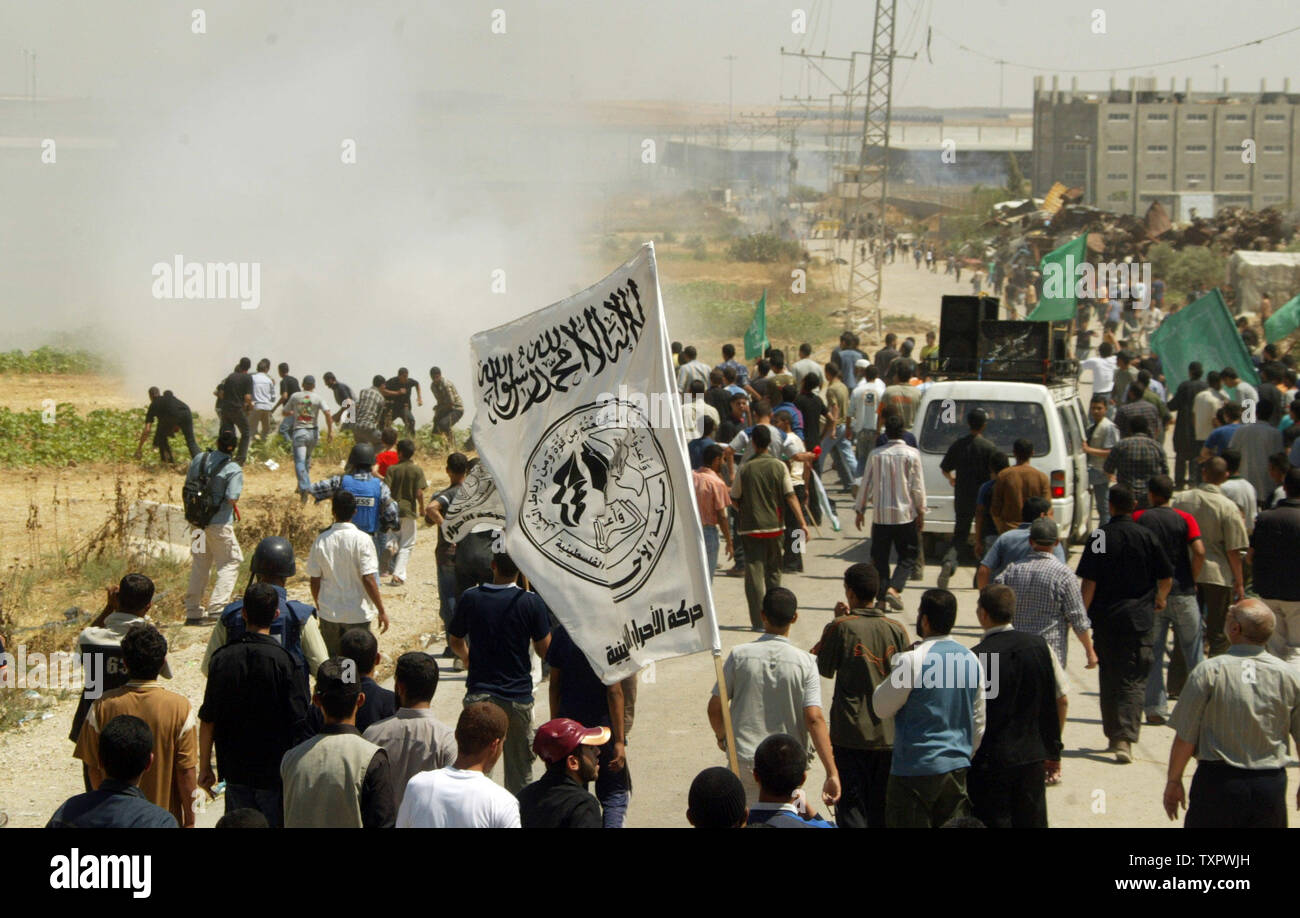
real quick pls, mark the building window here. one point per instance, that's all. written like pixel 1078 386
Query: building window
pixel 1195 148
pixel 1117 116
pixel 1274 198
pixel 1235 117
pixel 1117 176
pixel 1232 148
pixel 1275 117
pixel 1157 116
pixel 1234 176
pixel 1274 177
pixel 1073 177
pixel 1076 147
pixel 1197 116
pixel 1196 176
pixel 1157 176
pixel 1117 148
pixel 1117 196
pixel 1274 148
pixel 1157 148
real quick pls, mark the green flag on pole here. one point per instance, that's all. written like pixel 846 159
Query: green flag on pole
pixel 1059 268
pixel 1204 332
pixel 1283 322
pixel 756 336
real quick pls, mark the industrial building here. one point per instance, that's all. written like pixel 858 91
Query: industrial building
pixel 1194 152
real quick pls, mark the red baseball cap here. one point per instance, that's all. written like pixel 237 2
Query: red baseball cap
pixel 556 739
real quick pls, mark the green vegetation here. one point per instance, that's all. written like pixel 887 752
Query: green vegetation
pixel 1184 270
pixel 51 360
pixel 764 247
pixel 62 436
pixel 712 310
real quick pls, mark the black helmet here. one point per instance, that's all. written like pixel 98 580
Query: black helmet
pixel 273 557
pixel 362 456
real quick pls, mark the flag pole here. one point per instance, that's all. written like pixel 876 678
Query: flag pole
pixel 726 714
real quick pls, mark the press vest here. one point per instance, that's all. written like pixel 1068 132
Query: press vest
pixel 286 628
pixel 367 491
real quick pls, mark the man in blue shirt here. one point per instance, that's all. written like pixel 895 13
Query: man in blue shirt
pixel 500 621
pixel 1013 545
pixel 125 752
pixel 935 694
pixel 216 545
pixel 1229 418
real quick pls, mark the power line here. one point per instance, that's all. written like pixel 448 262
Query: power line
pixel 1053 69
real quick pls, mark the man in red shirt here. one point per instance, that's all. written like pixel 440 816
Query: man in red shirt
pixel 1180 536
pixel 389 456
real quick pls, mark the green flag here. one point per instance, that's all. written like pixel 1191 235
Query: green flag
pixel 1205 332
pixel 1059 268
pixel 1283 322
pixel 756 336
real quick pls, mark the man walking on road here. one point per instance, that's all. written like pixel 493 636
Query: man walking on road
pixel 491 632
pixel 935 694
pixel 1126 581
pixel 234 402
pixel 1235 715
pixel 760 488
pixel 1047 596
pixel 1274 548
pixel 1136 459
pixel 1186 449
pixel 966 466
pixel 303 412
pixel 344 574
pixel 1223 532
pixel 216 546
pixel 855 650
pixel 1015 485
pixel 773 687
pixel 896 487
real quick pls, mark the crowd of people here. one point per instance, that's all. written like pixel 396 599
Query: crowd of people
pixel 921 730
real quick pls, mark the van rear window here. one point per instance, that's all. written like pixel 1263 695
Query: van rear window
pixel 945 421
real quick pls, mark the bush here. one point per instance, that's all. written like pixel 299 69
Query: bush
pixel 51 360
pixel 699 248
pixel 668 236
pixel 764 247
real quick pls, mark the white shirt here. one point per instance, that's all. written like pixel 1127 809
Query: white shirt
pixel 893 480
pixel 864 404
pixel 264 395
pixel 341 556
pixel 801 368
pixel 1204 407
pixel 694 411
pixel 1242 493
pixel 452 798
pixel 1103 372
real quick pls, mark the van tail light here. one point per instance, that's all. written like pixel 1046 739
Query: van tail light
pixel 1058 483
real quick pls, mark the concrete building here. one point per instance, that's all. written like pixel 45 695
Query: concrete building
pixel 1192 151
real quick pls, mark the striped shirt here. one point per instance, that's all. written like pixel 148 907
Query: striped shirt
pixel 1238 707
pixel 1047 597
pixel 894 483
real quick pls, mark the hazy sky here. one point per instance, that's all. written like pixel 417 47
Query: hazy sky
pixel 613 49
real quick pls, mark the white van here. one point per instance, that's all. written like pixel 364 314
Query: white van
pixel 1051 416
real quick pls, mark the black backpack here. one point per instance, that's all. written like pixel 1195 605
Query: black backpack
pixel 196 496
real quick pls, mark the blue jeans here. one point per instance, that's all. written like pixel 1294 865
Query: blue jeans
pixel 613 789
pixel 381 542
pixel 841 453
pixel 286 430
pixel 446 592
pixel 1099 481
pixel 304 443
pixel 270 803
pixel 711 549
pixel 865 439
pixel 1183 613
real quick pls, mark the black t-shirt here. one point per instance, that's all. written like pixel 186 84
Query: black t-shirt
pixel 396 385
pixel 583 697
pixel 720 399
pixel 557 801
pixel 814 414
pixel 501 622
pixel 233 389
pixel 969 458
pixel 342 392
pixel 1125 565
pixel 1171 529
pixel 445 553
pixel 167 410
pixel 289 385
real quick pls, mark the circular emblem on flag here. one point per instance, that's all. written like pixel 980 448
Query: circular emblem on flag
pixel 599 503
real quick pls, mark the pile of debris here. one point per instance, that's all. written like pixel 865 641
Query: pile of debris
pixel 1031 228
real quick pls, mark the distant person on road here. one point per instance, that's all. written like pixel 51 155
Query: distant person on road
pixel 966 467
pixel 263 400
pixel 171 415
pixel 894 483
pixel 1017 484
pixel 344 572
pixel 234 402
pixel 400 403
pixel 303 411
pixel 288 386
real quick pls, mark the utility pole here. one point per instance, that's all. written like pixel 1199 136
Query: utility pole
pixel 731 82
pixel 1002 69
